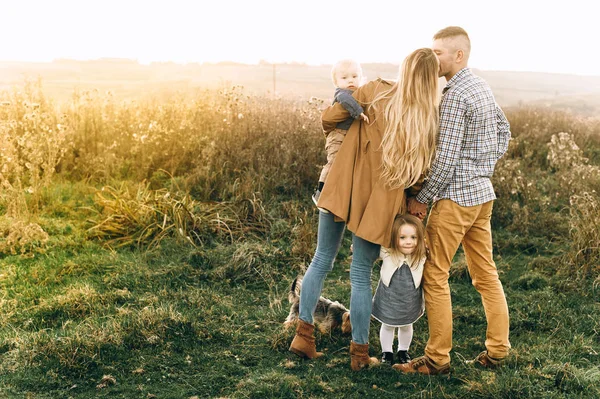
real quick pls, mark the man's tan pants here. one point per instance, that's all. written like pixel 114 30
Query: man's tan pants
pixel 450 224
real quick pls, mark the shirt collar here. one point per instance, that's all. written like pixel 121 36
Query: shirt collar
pixel 460 75
pixel 402 259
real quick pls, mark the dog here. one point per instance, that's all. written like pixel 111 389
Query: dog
pixel 328 315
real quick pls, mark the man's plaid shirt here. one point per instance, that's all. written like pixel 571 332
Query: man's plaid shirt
pixel 474 134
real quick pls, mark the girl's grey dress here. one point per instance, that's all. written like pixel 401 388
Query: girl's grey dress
pixel 400 303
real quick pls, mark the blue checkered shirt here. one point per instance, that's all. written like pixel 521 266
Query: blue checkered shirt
pixel 474 134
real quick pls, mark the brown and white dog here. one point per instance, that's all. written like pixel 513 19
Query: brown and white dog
pixel 328 315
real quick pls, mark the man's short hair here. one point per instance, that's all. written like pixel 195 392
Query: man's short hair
pixel 451 32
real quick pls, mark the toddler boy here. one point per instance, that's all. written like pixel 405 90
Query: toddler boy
pixel 346 76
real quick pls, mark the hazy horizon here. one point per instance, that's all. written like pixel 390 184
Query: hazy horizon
pixel 260 62
pixel 516 36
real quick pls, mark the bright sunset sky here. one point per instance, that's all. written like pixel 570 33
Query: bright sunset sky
pixel 517 35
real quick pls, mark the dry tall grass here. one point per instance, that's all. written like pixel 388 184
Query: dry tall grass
pixel 236 166
pixel 582 179
pixel 225 144
pixel 32 142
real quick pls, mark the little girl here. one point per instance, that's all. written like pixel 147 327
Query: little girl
pixel 398 301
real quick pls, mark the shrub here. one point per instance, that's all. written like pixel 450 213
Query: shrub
pixel 32 143
pixel 580 179
pixel 142 217
pixel 18 236
pixel 584 252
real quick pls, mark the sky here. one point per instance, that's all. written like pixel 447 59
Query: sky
pixel 507 35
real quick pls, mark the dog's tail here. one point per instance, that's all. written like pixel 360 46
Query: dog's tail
pixel 293 294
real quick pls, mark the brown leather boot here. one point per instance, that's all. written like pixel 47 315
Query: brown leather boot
pixel 303 343
pixel 359 356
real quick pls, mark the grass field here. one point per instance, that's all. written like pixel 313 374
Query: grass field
pixel 148 247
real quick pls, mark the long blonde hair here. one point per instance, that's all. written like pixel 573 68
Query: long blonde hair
pixel 411 120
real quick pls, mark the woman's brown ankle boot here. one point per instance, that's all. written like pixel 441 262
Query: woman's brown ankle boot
pixel 359 356
pixel 303 344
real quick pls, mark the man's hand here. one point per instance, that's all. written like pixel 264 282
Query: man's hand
pixel 417 208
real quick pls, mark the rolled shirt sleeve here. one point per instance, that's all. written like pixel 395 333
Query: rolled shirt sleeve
pixel 503 132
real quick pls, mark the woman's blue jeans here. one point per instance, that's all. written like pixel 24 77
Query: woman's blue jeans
pixel 329 239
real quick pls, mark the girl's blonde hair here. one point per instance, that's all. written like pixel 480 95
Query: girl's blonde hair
pixel 420 250
pixel 411 120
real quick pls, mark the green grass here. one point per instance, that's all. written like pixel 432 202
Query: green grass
pixel 164 323
pixel 202 317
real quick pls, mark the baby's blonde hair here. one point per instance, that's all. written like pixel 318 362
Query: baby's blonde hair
pixel 342 64
pixel 411 120
pixel 420 250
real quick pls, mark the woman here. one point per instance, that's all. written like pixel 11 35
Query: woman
pixel 365 189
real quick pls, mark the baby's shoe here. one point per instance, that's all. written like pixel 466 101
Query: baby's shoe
pixel 387 358
pixel 403 357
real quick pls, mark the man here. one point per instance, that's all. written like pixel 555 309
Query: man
pixel 474 134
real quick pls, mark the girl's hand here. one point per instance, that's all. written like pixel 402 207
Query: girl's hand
pixel 364 117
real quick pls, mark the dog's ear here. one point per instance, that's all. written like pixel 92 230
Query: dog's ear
pixel 346 326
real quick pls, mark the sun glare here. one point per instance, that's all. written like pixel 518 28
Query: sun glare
pixel 521 36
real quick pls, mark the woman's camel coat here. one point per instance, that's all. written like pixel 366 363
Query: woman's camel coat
pixel 354 191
